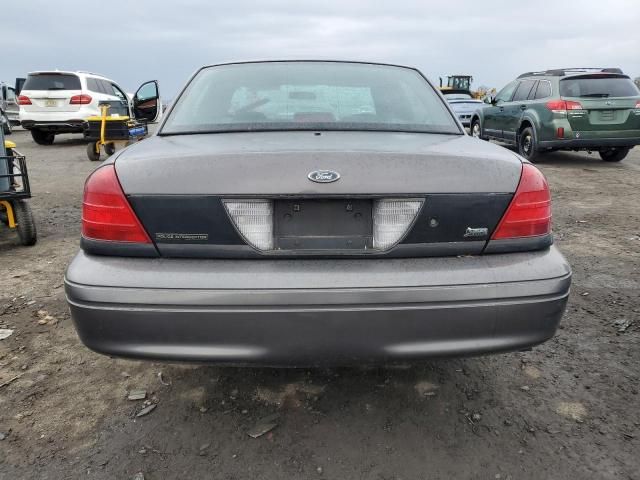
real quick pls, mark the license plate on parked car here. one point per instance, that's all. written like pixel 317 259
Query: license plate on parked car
pixel 50 103
pixel 607 114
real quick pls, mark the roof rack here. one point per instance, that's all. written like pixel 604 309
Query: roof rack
pixel 90 73
pixel 561 72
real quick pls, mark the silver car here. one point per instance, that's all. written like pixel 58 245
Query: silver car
pixel 463 105
pixel 314 212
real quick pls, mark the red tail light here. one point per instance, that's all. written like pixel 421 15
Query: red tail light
pixel 106 213
pixel 529 213
pixel 80 100
pixel 24 100
pixel 563 105
pixel 573 105
pixel 638 104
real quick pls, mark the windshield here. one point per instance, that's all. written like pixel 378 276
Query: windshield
pixel 598 87
pixel 52 81
pixel 308 96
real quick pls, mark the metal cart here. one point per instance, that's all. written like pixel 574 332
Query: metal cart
pixel 15 211
pixel 109 130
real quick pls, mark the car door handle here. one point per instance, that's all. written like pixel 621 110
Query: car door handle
pixel 502 109
pixel 523 107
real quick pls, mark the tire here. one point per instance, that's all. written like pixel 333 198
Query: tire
pixel 613 154
pixel 527 144
pixel 109 148
pixel 476 129
pixel 91 152
pixel 42 138
pixel 25 224
pixel 6 125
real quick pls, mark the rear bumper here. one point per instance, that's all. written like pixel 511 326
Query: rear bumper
pixel 68 126
pixel 320 312
pixel 56 121
pixel 590 143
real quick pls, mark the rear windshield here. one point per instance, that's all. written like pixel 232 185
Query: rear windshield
pixel 52 81
pixel 598 87
pixel 309 96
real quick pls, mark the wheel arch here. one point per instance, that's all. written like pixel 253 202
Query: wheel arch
pixel 529 120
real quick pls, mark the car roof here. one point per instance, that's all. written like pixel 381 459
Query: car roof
pixel 571 72
pixel 67 72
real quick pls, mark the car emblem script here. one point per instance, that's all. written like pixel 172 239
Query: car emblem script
pixel 476 232
pixel 323 176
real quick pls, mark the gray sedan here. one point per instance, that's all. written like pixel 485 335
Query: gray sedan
pixel 463 105
pixel 314 212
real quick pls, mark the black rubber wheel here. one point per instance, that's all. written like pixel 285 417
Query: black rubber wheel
pixel 476 129
pixel 613 154
pixel 91 152
pixel 527 144
pixel 43 138
pixel 109 148
pixel 25 224
pixel 6 125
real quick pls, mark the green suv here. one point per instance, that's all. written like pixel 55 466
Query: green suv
pixel 595 109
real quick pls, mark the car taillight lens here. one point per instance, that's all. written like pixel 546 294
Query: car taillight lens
pixel 106 213
pixel 529 213
pixel 571 105
pixel 80 100
pixel 391 220
pixel 563 105
pixel 24 100
pixel 254 221
pixel 638 104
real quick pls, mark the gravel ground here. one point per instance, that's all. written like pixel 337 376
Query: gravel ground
pixel 567 409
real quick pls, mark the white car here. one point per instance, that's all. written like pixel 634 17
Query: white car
pixel 53 102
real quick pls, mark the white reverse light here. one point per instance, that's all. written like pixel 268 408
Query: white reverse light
pixel 254 221
pixel 391 219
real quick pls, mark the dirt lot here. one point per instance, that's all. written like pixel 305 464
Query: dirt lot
pixel 567 409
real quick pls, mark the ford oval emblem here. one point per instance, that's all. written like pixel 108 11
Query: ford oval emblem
pixel 324 176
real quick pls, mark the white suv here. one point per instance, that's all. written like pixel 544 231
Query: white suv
pixel 60 102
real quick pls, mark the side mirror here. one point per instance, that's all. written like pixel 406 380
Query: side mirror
pixel 146 102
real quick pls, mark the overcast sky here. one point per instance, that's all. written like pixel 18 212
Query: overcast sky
pixel 493 40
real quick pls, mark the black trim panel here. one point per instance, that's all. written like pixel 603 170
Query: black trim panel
pixel 186 220
pixel 446 217
pixel 118 249
pixel 511 245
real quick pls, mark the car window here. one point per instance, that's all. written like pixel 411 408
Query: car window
pixel 52 81
pixel 147 91
pixel 506 93
pixel 522 92
pixel 115 90
pixel 543 90
pixel 92 85
pixel 105 87
pixel 598 86
pixel 309 95
pixel 11 94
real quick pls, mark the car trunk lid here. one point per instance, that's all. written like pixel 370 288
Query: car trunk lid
pixel 205 195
